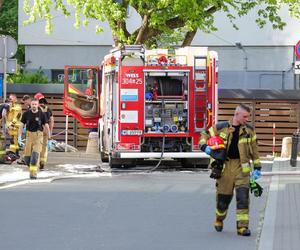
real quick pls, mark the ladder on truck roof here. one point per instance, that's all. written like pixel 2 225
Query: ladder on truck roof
pixel 200 93
pixel 130 55
pixel 130 50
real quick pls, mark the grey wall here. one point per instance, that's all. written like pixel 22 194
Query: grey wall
pixel 56 57
pixel 256 67
pixel 249 33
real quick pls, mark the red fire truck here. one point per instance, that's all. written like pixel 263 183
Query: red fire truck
pixel 150 104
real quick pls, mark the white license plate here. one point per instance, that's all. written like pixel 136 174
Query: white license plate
pixel 131 132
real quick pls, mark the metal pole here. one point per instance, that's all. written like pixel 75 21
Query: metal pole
pixel 5 68
pixel 66 132
pixel 274 139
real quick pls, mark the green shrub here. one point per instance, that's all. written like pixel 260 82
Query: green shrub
pixel 28 77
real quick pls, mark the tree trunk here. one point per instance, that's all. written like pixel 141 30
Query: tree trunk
pixel 140 35
pixel 1 4
pixel 189 38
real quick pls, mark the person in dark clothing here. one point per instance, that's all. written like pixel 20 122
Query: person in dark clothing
pixel 35 121
pixel 49 115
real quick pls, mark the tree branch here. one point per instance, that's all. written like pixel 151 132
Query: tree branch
pixel 1 4
pixel 212 10
pixel 142 29
pixel 122 26
pixel 189 36
pixel 175 23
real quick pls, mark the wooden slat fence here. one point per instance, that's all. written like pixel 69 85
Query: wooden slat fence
pixel 283 114
pixel 77 135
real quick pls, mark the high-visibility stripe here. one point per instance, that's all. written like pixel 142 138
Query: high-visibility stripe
pixel 246 168
pixel 242 217
pixel 33 168
pixel 247 140
pixel 13 146
pixel 211 131
pixel 244 140
pixel 256 162
pixel 219 213
pixel 202 141
pixel 223 135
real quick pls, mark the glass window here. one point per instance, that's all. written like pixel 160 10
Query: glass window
pixel 84 80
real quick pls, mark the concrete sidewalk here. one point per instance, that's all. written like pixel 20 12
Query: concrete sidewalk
pixel 60 165
pixel 281 225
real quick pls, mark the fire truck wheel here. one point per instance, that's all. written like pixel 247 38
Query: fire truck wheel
pixel 104 157
pixel 194 163
pixel 131 164
pixel 186 163
pixel 114 163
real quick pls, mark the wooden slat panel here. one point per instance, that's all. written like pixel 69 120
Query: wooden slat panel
pixel 277 124
pixel 276 118
pixel 283 113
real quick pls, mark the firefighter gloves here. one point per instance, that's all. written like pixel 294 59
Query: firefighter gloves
pixel 207 150
pixel 256 174
pixel 255 188
pixel 21 144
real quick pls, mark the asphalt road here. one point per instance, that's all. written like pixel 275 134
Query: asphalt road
pixel 161 211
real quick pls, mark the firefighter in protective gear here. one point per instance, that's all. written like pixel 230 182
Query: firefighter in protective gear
pixel 241 148
pixel 4 108
pixel 35 121
pixel 13 123
pixel 48 112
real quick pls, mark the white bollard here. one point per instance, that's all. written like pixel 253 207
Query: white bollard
pixel 286 148
pixel 92 144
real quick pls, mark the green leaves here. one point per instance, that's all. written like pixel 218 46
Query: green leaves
pixel 162 20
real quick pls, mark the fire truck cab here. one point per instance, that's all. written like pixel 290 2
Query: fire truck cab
pixel 154 104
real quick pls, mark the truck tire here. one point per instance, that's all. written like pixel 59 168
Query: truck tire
pixel 194 163
pixel 114 163
pixel 104 157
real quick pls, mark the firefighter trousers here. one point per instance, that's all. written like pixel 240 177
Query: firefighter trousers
pixel 44 152
pixel 32 151
pixel 14 145
pixel 233 179
pixel 2 148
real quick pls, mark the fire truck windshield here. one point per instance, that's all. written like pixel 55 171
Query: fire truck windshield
pixel 83 81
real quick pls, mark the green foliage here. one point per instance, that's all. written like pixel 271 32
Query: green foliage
pixel 162 20
pixel 28 77
pixel 9 24
pixel 9 18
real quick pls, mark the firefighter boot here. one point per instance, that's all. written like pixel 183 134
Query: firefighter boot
pixel 42 166
pixel 33 172
pixel 218 225
pixel 243 231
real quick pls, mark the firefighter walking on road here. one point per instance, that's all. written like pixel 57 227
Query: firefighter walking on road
pixel 49 116
pixel 35 121
pixel 232 169
pixel 13 123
